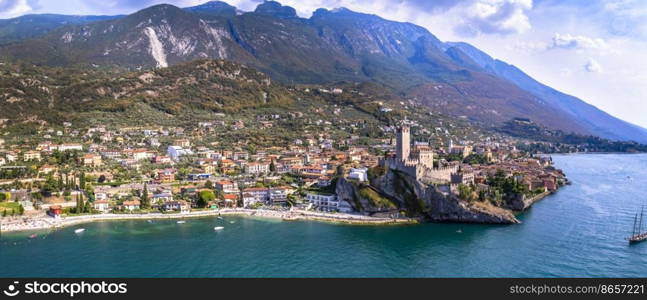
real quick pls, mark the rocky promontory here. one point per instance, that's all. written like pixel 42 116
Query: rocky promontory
pixel 395 191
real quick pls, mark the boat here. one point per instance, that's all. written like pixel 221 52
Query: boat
pixel 459 231
pixel 181 222
pixel 80 230
pixel 33 236
pixel 218 228
pixel 232 222
pixel 220 218
pixel 638 234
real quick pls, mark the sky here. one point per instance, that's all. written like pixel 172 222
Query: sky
pixel 593 49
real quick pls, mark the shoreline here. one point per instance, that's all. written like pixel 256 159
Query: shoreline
pixel 48 223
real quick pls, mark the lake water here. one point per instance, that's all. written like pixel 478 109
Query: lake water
pixel 578 232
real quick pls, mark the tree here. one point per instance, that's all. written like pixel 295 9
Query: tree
pixel 82 181
pixel 205 197
pixel 272 167
pixel 88 207
pixel 79 204
pixel 208 184
pixel 60 181
pixel 101 179
pixel 4 213
pixel 21 210
pixel 145 203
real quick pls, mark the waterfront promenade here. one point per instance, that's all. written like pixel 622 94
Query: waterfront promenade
pixel 45 222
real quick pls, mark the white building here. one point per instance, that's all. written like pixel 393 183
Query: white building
pixel 70 147
pixel 323 202
pixel 176 151
pixel 257 168
pixel 100 196
pixel 102 205
pixel 360 174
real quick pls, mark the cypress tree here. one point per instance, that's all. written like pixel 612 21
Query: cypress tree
pixel 145 201
pixel 82 181
pixel 60 181
pixel 79 204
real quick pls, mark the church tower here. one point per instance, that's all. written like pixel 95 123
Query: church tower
pixel 403 143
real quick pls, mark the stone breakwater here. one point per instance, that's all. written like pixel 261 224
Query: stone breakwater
pixel 46 222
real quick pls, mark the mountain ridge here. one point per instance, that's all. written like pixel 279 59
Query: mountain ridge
pixel 331 46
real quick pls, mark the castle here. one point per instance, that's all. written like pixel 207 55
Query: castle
pixel 417 162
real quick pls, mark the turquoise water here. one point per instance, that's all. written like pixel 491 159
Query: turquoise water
pixel 577 232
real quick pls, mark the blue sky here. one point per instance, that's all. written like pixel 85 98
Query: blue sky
pixel 593 49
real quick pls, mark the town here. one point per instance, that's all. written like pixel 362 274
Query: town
pixel 135 170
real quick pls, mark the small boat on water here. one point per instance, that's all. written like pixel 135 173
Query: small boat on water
pixel 181 222
pixel 218 228
pixel 638 234
pixel 80 230
pixel 232 222
pixel 33 236
pixel 150 221
pixel 459 231
pixel 220 218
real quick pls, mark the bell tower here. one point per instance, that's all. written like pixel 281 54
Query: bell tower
pixel 403 143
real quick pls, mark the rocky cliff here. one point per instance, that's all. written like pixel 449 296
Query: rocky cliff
pixel 419 199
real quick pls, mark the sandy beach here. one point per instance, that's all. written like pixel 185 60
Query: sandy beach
pixel 44 222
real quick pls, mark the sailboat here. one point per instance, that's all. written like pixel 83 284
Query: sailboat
pixel 638 234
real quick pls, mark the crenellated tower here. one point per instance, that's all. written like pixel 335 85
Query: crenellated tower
pixel 403 143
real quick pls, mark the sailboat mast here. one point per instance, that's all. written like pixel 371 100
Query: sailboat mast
pixel 633 231
pixel 640 223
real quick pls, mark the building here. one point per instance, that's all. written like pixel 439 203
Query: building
pixel 270 196
pixel 255 195
pixel 464 151
pixel 31 156
pixel 324 181
pixel 162 197
pixel 198 176
pixel 257 168
pixel 102 205
pixel 70 147
pixel 159 159
pixel 403 143
pixel 175 152
pixel 184 143
pixel 227 187
pixel 181 206
pixel 278 195
pixel 166 175
pixel 55 211
pixel 230 200
pixel 417 163
pixel 360 174
pixel 142 154
pixel 131 205
pixel 93 160
pixel 323 202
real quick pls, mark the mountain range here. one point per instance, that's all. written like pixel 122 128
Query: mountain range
pixel 332 46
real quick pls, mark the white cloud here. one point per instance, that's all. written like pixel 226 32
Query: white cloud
pixel 568 41
pixel 528 46
pixel 495 17
pixel 13 8
pixel 592 66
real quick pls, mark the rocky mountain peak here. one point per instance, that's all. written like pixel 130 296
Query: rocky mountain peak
pixel 217 8
pixel 275 9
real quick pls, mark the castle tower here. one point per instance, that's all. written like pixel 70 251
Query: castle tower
pixel 403 143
